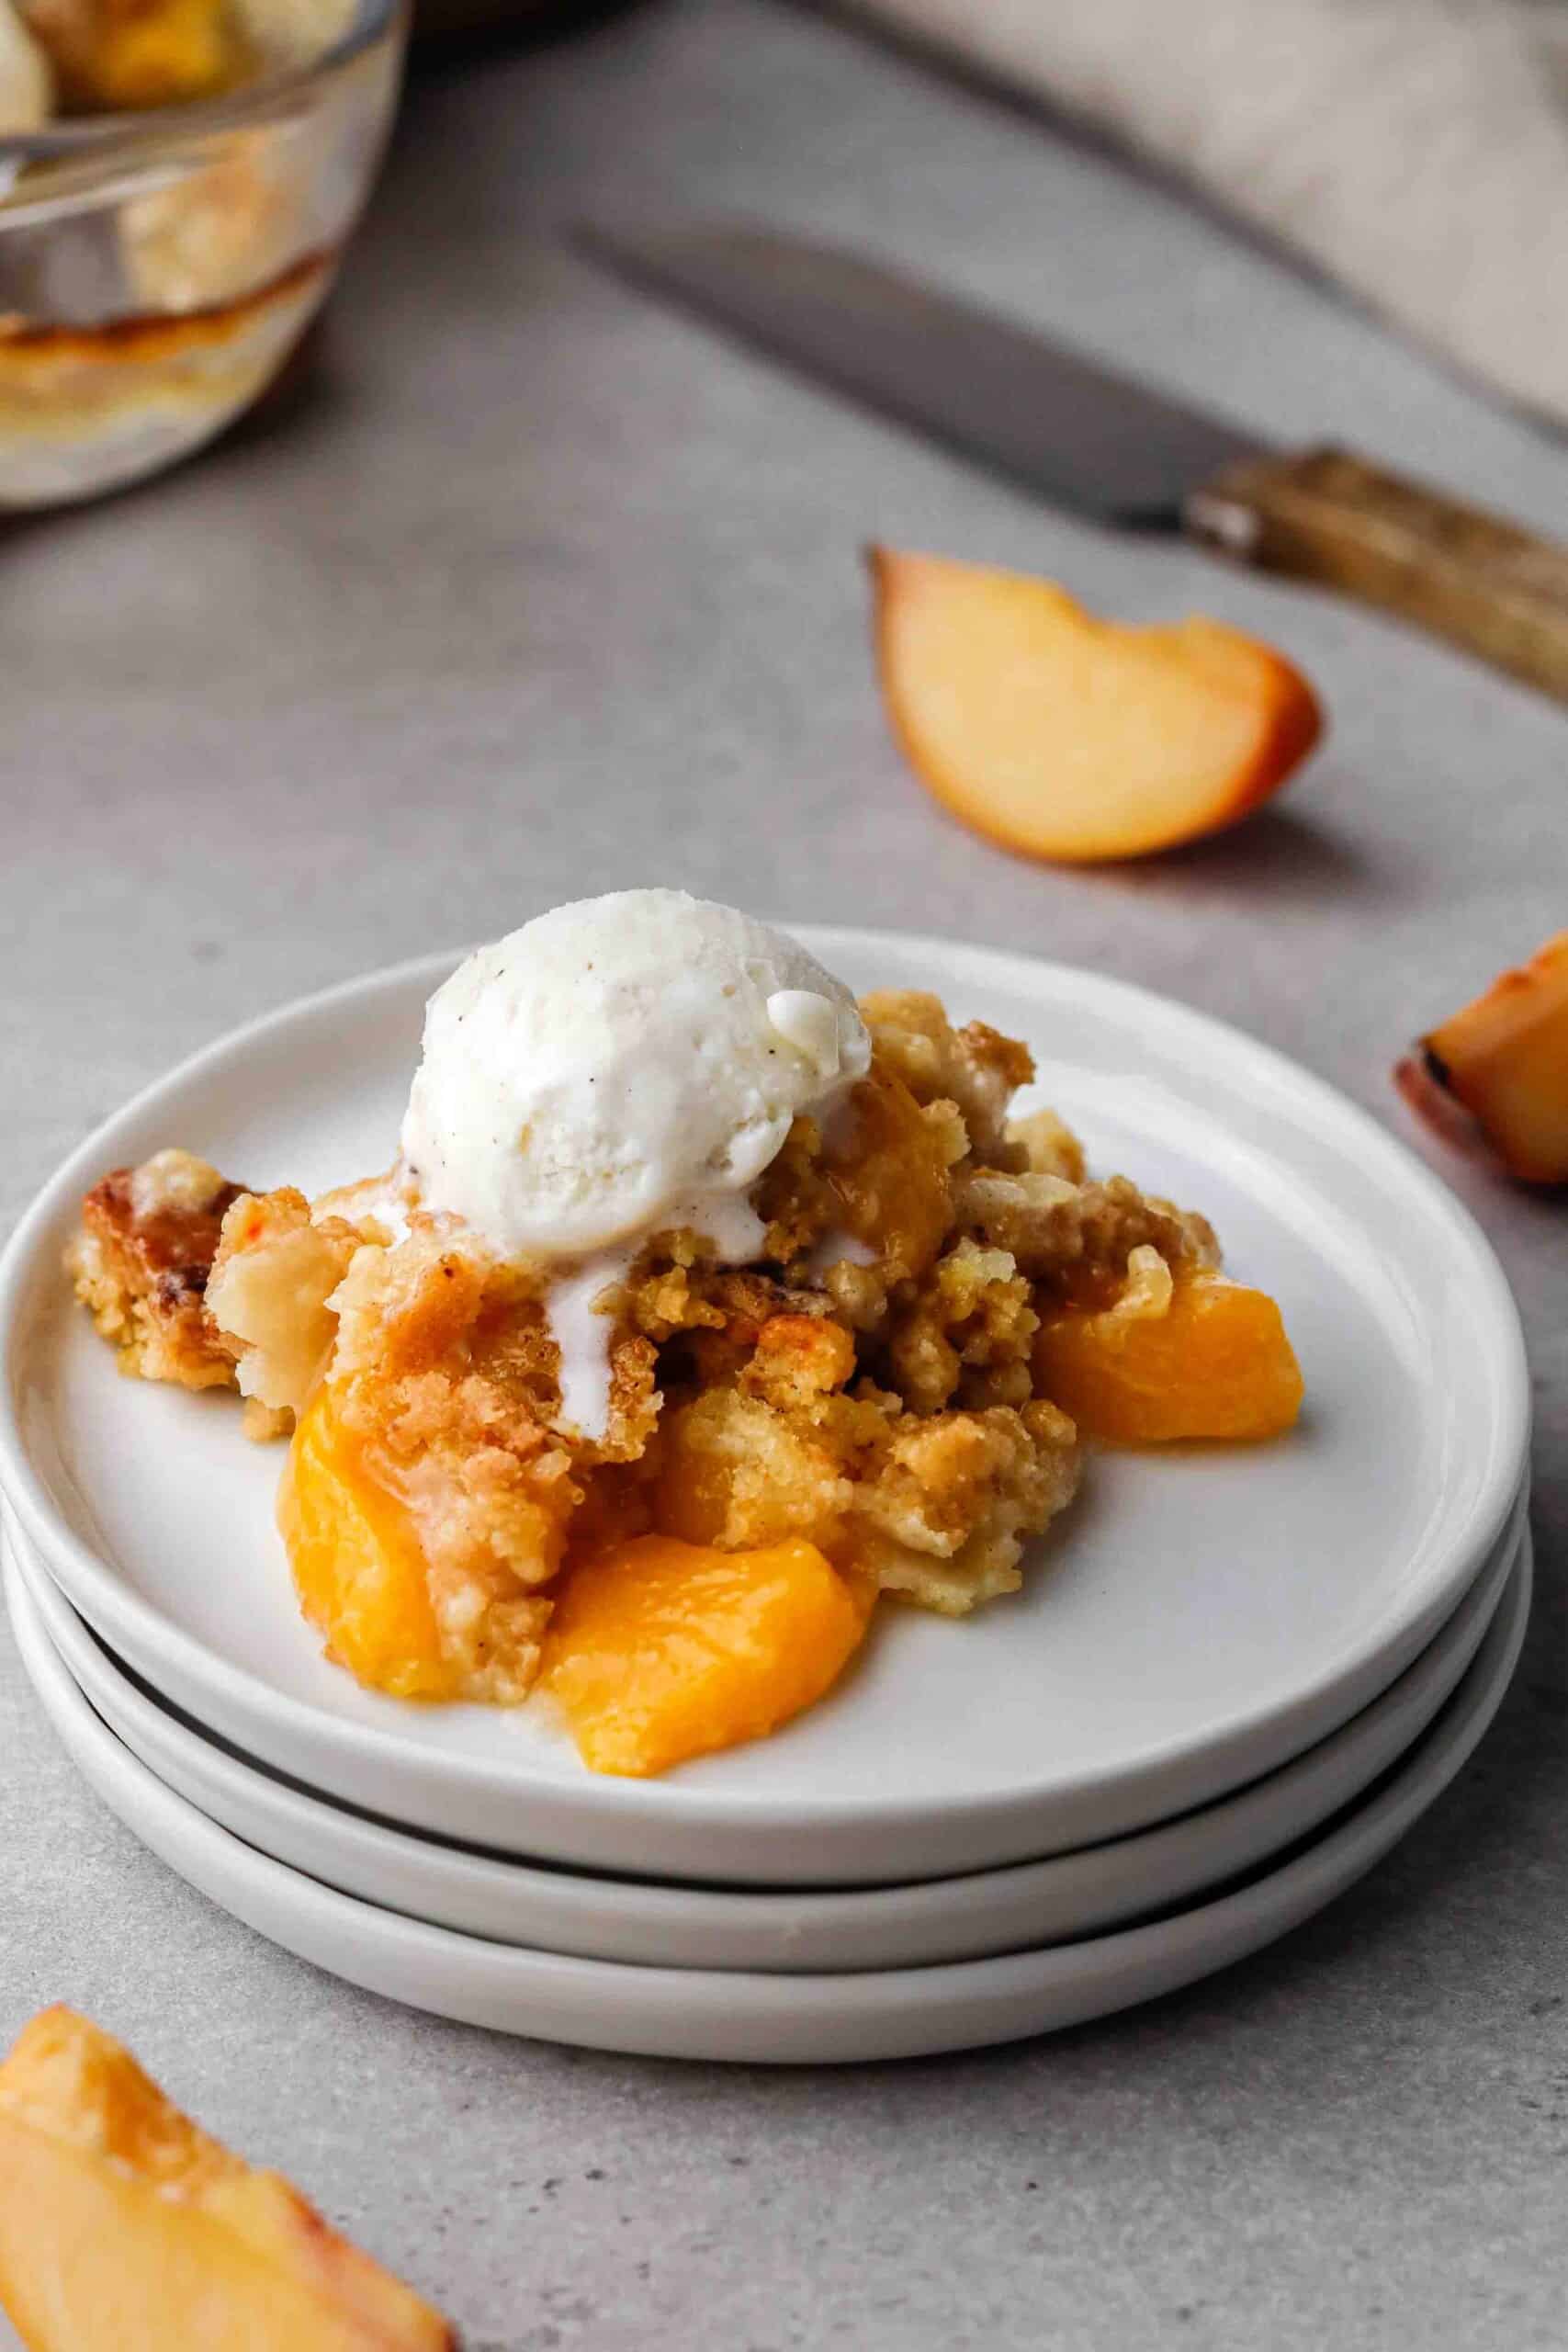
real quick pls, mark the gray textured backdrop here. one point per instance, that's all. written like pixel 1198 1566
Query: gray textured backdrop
pixel 544 593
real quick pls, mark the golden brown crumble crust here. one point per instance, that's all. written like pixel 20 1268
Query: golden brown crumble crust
pixel 869 1387
pixel 141 1265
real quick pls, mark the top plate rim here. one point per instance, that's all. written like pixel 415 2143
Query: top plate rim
pixel 108 1598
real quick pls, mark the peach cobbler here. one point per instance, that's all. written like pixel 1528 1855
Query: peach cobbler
pixel 701 1306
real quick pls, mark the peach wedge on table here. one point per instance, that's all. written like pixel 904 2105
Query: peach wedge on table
pixel 124 2228
pixel 1071 738
pixel 1495 1074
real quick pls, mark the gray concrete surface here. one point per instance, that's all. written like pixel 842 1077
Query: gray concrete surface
pixel 540 592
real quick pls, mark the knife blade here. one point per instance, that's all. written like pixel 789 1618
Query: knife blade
pixel 1051 417
pixel 1039 412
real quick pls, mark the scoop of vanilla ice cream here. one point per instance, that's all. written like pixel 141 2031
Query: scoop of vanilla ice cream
pixel 621 1065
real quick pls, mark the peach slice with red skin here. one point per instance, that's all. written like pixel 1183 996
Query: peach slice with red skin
pixel 1071 738
pixel 123 2225
pixel 1494 1075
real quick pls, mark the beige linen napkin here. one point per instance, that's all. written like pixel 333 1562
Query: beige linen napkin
pixel 1416 150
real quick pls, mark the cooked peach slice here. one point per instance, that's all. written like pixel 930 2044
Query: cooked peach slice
pixel 1214 1363
pixel 358 1566
pixel 134 53
pixel 1071 738
pixel 123 2225
pixel 1497 1071
pixel 660 1650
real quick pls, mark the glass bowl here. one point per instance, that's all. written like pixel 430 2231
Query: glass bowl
pixel 156 269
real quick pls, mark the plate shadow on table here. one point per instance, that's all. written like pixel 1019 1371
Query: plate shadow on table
pixel 1385 1923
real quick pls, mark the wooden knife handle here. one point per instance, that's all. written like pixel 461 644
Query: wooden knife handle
pixel 1484 584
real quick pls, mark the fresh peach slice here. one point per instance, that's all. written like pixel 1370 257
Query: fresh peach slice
pixel 123 2225
pixel 1497 1072
pixel 1072 738
pixel 1215 1363
pixel 660 1650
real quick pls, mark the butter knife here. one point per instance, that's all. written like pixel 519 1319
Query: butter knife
pixel 1052 418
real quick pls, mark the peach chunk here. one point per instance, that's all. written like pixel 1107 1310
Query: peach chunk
pixel 359 1566
pixel 660 1650
pixel 114 54
pixel 123 2225
pixel 1216 1364
pixel 1497 1071
pixel 1071 738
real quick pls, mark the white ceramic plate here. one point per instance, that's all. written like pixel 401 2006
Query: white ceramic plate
pixel 1200 1618
pixel 1068 1896
pixel 750 2017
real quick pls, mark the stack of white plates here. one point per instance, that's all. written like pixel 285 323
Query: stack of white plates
pixel 1233 1681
